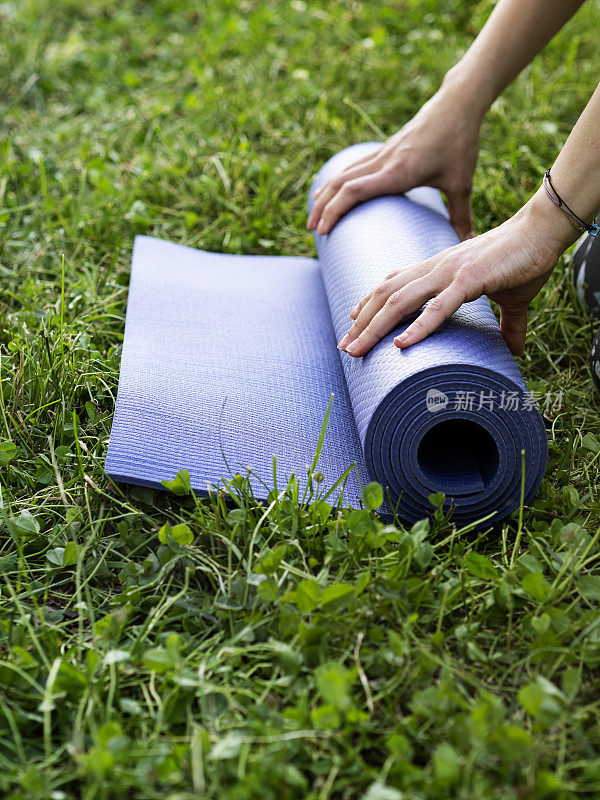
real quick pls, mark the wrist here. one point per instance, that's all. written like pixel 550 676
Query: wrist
pixel 547 227
pixel 473 94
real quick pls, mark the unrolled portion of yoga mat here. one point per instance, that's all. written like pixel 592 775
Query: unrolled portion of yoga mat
pixel 229 360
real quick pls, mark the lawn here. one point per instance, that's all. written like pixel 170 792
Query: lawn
pixel 159 646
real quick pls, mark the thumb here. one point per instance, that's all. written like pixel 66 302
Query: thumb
pixel 513 326
pixel 461 215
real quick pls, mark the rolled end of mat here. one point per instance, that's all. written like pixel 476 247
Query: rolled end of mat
pixel 461 430
pixel 450 414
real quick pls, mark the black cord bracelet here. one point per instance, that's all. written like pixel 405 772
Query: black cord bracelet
pixel 579 224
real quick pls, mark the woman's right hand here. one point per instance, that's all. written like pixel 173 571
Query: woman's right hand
pixel 438 148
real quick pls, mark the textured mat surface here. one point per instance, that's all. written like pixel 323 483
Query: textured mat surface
pixel 229 360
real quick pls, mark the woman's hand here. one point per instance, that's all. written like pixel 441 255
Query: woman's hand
pixel 510 264
pixel 438 147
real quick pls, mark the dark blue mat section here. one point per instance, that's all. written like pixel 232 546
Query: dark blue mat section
pixel 467 440
pixel 230 360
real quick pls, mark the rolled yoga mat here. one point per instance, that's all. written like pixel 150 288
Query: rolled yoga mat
pixel 229 361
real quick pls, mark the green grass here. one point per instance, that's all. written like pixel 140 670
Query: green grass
pixel 265 651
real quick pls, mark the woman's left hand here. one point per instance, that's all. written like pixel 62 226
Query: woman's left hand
pixel 509 264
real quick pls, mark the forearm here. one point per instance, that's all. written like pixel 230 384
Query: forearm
pixel 509 264
pixel 576 177
pixel 513 35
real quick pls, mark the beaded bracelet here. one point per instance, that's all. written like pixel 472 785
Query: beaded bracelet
pixel 576 222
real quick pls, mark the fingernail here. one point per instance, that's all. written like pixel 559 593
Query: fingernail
pixel 316 191
pixel 401 341
pixel 354 312
pixel 344 341
pixel 321 227
pixel 309 222
pixel 353 347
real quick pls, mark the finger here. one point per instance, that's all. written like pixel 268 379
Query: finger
pixel 435 312
pixel 379 297
pixel 333 185
pixel 358 162
pixel 461 214
pixel 399 304
pixel 359 306
pixel 513 326
pixel 353 192
pixel 368 307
